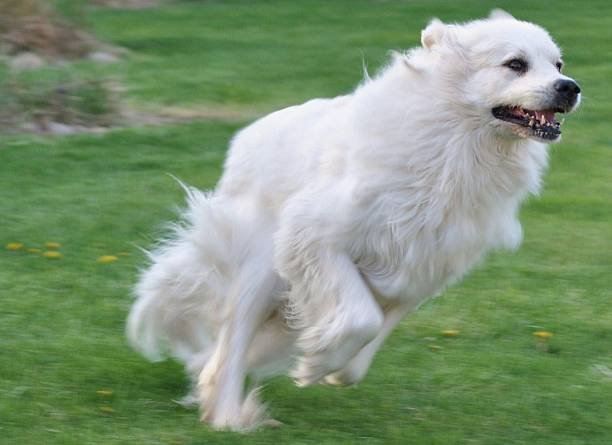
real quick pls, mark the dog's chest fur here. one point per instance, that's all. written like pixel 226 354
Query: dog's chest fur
pixel 425 237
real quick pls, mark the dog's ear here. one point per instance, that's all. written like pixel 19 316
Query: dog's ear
pixel 433 34
pixel 499 14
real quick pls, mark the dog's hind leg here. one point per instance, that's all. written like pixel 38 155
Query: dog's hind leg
pixel 270 353
pixel 221 382
pixel 194 367
pixel 273 350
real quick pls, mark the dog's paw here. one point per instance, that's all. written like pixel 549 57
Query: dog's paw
pixel 310 370
pixel 248 416
pixel 336 380
pixel 190 400
pixel 344 377
pixel 271 423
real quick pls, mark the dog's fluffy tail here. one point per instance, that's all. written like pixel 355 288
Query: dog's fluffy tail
pixel 180 297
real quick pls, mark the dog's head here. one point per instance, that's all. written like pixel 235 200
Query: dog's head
pixel 510 74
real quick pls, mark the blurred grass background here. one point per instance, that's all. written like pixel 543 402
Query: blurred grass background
pixel 67 375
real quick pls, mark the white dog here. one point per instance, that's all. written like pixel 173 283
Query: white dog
pixel 335 218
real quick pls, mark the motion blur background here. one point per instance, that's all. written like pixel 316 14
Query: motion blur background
pixel 101 99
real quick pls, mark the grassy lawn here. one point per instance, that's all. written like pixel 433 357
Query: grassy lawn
pixel 66 373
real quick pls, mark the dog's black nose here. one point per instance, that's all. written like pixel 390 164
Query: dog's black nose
pixel 567 87
pixel 568 91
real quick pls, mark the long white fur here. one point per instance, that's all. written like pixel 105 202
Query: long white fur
pixel 335 218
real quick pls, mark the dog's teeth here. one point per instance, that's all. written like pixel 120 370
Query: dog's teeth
pixel 542 119
pixel 531 122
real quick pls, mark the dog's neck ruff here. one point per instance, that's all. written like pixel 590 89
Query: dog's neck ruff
pixel 460 157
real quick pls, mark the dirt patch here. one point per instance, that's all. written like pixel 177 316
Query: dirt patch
pixel 126 4
pixel 176 114
pixel 141 117
pixel 52 39
pixel 31 26
pixel 63 114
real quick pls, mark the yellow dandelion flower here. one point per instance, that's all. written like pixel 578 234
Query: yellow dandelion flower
pixel 543 335
pixel 52 254
pixel 34 250
pixel 450 333
pixel 105 259
pixel 105 392
pixel 52 245
pixel 14 246
pixel 107 409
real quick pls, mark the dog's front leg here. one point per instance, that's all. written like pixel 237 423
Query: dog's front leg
pixel 338 313
pixel 358 367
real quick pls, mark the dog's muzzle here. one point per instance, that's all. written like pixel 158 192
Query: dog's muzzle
pixel 541 123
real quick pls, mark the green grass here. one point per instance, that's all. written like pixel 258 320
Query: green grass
pixel 61 321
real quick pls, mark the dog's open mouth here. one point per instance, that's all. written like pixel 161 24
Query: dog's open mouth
pixel 535 123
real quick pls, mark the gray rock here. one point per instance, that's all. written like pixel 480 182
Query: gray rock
pixel 26 61
pixel 103 57
pixel 60 129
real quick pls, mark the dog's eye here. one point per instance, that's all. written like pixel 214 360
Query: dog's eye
pixel 517 65
pixel 559 66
